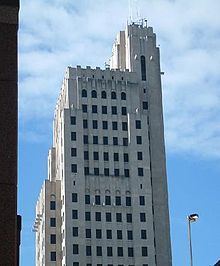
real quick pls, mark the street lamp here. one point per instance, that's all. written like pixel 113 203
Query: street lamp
pixel 191 218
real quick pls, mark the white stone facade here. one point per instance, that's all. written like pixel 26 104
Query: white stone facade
pixel 106 170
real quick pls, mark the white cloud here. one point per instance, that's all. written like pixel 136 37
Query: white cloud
pixel 53 36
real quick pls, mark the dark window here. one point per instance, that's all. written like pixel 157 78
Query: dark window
pixel 114 110
pixel 119 234
pixel 106 171
pixel 74 197
pixel 116 172
pixel 118 217
pixel 52 239
pixel 128 201
pixel 104 95
pixel 123 96
pixel 96 171
pixel 126 172
pixel 109 234
pixel 124 126
pixel 94 94
pixel 85 139
pixel 144 251
pixel 130 235
pixel 86 170
pixel 88 251
pixel 53 222
pixel 113 95
pixel 88 216
pixel 94 109
pixel 97 199
pixel 126 158
pixel 95 139
pixel 143 234
pixel 53 205
pixel 53 256
pixel 124 110
pixel 108 217
pixel 143 68
pixel 105 140
pixel 98 233
pixel 129 217
pixel 125 141
pixel 84 108
pixel 142 200
pixel 104 124
pixel 107 200
pixel 75 249
pixel 114 125
pixel 98 216
pixel 139 139
pixel 140 171
pixel 145 105
pixel 105 156
pixel 130 252
pixel 88 233
pixel 87 199
pixel 74 214
pixel 95 155
pixel 116 157
pixel 117 200
pixel 73 152
pixel 74 168
pixel 73 120
pixel 86 155
pixel 115 141
pixel 120 251
pixel 84 93
pixel 138 124
pixel 104 109
pixel 98 251
pixel 143 217
pixel 139 155
pixel 85 123
pixel 73 135
pixel 109 252
pixel 75 263
pixel 94 124
pixel 75 231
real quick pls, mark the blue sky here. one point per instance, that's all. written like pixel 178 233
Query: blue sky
pixel 69 33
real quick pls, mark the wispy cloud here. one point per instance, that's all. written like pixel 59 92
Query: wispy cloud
pixel 53 36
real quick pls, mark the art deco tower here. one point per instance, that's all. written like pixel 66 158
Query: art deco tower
pixel 105 201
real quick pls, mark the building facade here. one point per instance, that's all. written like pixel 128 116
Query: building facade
pixel 105 201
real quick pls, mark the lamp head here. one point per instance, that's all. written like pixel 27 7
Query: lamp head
pixel 193 217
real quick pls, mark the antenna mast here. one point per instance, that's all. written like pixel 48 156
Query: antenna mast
pixel 134 11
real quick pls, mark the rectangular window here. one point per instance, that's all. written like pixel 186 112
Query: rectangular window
pixel 73 152
pixel 95 155
pixel 74 197
pixel 138 124
pixel 88 233
pixel 74 168
pixel 140 171
pixel 108 217
pixel 95 139
pixel 85 123
pixel 75 263
pixel 128 201
pixel 115 141
pixel 139 156
pixel 104 124
pixel 94 109
pixel 105 156
pixel 84 108
pixel 124 126
pixel 145 105
pixel 96 171
pixel 87 199
pixel 52 239
pixel 116 172
pixel 118 217
pixel 124 110
pixel 130 235
pixel 53 256
pixel 105 140
pixel 114 110
pixel 86 155
pixel 73 136
pixel 85 139
pixel 98 216
pixel 98 233
pixel 52 205
pixel 109 252
pixel 139 139
pixel 118 201
pixel 125 141
pixel 52 222
pixel 143 234
pixel 75 231
pixel 74 214
pixel 75 249
pixel 129 217
pixel 144 251
pixel 120 251
pixel 119 234
pixel 106 171
pixel 116 157
pixel 107 200
pixel 143 217
pixel 142 200
pixel 97 199
pixel 86 170
pixel 130 252
pixel 88 251
pixel 109 234
pixel 126 172
pixel 73 120
pixel 126 158
pixel 98 251
pixel 104 109
pixel 87 216
pixel 94 124
pixel 114 125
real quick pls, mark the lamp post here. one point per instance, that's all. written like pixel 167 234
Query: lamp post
pixel 191 218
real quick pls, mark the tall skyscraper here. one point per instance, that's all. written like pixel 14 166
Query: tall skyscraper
pixel 105 201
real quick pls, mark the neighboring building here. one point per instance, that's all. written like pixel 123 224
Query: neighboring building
pixel 218 263
pixel 105 201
